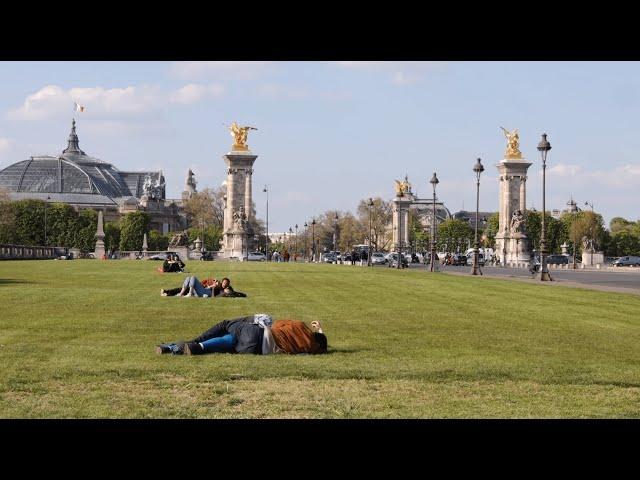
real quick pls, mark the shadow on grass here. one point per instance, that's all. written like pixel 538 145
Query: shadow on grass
pixel 11 281
pixel 344 350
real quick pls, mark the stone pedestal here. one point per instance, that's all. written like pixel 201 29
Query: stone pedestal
pixel 238 210
pixel 590 259
pixel 400 222
pixel 99 251
pixel 512 247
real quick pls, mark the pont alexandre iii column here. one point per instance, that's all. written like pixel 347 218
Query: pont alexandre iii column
pixel 238 208
pixel 512 245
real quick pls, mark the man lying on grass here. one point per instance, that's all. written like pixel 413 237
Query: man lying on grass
pixel 209 287
pixel 256 334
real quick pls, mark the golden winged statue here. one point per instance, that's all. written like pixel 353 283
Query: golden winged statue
pixel 239 135
pixel 513 144
pixel 402 187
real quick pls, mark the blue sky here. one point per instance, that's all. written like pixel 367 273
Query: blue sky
pixel 332 133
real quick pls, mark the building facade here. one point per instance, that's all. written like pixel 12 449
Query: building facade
pixel 86 182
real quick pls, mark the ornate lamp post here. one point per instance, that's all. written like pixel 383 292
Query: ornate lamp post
pixel 295 240
pixel 290 234
pixel 370 232
pixel 306 250
pixel 544 146
pixel 313 240
pixel 478 169
pixel 266 237
pixel 434 181
pixel 335 236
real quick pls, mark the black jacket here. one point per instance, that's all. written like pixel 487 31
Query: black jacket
pixel 248 335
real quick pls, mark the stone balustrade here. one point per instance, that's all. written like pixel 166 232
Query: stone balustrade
pixel 30 252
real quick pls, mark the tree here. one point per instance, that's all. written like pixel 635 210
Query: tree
pixel 491 229
pixel 132 229
pixel 7 218
pixel 577 230
pixel 157 241
pixel 455 232
pixel 206 208
pixel 418 235
pixel 381 218
pixel 29 222
pixel 112 236
pixel 85 231
pixel 62 224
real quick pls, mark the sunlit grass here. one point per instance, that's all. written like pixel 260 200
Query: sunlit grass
pixel 78 341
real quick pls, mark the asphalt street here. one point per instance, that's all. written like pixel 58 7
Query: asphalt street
pixel 624 279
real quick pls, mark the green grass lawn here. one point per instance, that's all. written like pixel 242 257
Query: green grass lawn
pixel 77 341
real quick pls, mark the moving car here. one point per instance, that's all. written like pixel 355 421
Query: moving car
pixel 393 261
pixel 629 261
pixel 329 258
pixel 256 257
pixel 378 258
pixel 557 260
pixel 480 259
pixel 163 256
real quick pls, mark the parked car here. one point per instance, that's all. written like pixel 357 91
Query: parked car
pixel 346 257
pixel 459 259
pixel 378 258
pixel 393 261
pixel 329 258
pixel 629 261
pixel 163 256
pixel 480 259
pixel 557 260
pixel 256 257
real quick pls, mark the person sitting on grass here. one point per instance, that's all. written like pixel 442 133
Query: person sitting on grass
pixel 256 334
pixel 172 264
pixel 192 287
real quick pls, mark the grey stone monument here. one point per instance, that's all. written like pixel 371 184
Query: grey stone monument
pixel 145 245
pixel 238 209
pixel 99 249
pixel 512 244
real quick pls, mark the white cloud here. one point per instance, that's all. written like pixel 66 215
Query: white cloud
pixel 4 144
pixel 52 100
pixel 275 91
pixel 403 78
pixel 193 93
pixel 227 69
pixel 622 176
pixel 399 73
pixel 564 170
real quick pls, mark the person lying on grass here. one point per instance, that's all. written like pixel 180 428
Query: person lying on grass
pixel 257 334
pixel 192 287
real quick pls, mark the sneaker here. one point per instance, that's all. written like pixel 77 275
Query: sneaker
pixel 163 293
pixel 193 348
pixel 163 348
pixel 177 348
pixel 205 296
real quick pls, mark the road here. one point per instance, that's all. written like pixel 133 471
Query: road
pixel 622 280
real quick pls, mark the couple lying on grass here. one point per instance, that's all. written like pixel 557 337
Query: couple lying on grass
pixel 257 334
pixel 209 287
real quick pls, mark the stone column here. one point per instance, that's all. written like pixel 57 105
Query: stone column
pixel 247 192
pixel 512 247
pixel 405 227
pixel 238 198
pixel 396 224
pixel 99 249
pixel 523 194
